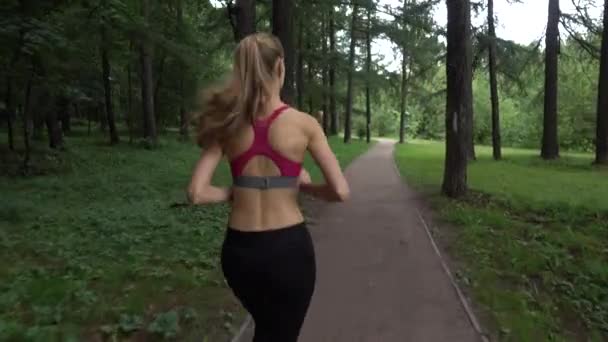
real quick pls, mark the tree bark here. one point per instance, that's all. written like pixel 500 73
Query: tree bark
pixel 601 140
pixel 10 110
pixel 282 27
pixel 550 144
pixel 300 66
pixel 403 102
pixel 66 119
pixel 157 87
pixel 129 115
pixel 368 109
pixel 52 125
pixel 26 122
pixel 349 79
pixel 459 97
pixel 107 86
pixel 309 69
pixel 245 18
pixel 403 99
pixel 325 79
pixel 147 81
pixel 496 149
pixel 183 117
pixel 333 113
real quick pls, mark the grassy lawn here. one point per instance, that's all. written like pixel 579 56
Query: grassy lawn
pixel 531 239
pixel 92 249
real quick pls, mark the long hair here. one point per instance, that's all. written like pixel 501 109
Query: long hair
pixel 228 107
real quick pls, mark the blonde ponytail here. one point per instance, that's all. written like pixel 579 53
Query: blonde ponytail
pixel 236 103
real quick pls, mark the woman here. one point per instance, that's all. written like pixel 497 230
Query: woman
pixel 267 257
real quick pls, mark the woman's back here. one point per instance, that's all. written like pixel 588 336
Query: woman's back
pixel 286 133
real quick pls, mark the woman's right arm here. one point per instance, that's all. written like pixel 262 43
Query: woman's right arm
pixel 336 188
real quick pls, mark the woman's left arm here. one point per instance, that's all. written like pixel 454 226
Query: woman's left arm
pixel 200 190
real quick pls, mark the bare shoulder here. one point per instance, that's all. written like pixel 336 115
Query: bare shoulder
pixel 309 123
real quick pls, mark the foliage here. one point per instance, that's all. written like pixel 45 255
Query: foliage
pixel 535 260
pixel 95 248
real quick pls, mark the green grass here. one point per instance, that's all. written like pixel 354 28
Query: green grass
pixel 530 238
pixel 91 247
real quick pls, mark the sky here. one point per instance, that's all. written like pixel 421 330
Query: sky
pixel 522 23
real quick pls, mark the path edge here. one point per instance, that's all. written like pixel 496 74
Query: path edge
pixel 239 334
pixel 463 300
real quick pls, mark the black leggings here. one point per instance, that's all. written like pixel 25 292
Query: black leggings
pixel 273 274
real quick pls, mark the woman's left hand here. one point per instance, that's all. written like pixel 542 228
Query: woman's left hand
pixel 304 178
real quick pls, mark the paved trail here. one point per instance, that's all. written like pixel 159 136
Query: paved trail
pixel 378 277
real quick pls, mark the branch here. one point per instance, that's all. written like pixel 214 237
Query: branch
pixel 591 49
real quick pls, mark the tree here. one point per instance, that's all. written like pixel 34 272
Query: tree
pixel 404 75
pixel 300 64
pixel 245 18
pixel 147 80
pixel 333 127
pixel 496 152
pixel 349 79
pixel 183 117
pixel 368 67
pixel 325 76
pixel 459 96
pixel 601 139
pixel 8 112
pixel 106 74
pixel 282 27
pixel 550 145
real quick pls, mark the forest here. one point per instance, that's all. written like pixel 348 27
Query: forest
pixel 98 101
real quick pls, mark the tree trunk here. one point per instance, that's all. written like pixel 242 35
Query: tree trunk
pixel 157 87
pixel 300 67
pixel 147 81
pixel 550 145
pixel 107 86
pixel 183 117
pixel 349 78
pixel 496 149
pixel 403 102
pixel 88 122
pixel 325 72
pixel 52 125
pixel 63 113
pixel 129 115
pixel 368 109
pixel 66 119
pixel 404 79
pixel 309 69
pixel 333 113
pixel 10 110
pixel 245 18
pixel 459 96
pixel 101 117
pixel 26 122
pixel 282 26
pixel 601 140
pixel 38 125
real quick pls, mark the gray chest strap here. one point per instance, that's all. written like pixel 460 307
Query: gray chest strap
pixel 263 183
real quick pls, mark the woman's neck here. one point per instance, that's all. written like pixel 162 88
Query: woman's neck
pixel 271 104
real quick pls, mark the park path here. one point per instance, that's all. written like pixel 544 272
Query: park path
pixel 379 278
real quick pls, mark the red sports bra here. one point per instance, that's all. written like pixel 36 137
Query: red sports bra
pixel 289 169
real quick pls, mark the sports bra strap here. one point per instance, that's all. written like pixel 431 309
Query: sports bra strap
pixel 264 183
